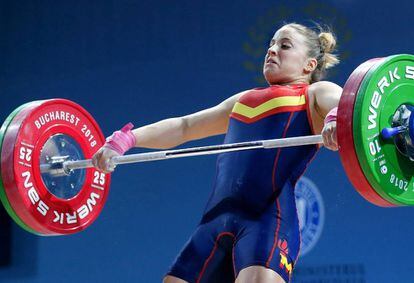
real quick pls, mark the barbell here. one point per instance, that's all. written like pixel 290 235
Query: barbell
pixel 49 186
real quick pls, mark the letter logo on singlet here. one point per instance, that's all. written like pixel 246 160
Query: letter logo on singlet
pixel 311 213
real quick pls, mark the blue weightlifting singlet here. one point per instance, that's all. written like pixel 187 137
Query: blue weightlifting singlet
pixel 251 218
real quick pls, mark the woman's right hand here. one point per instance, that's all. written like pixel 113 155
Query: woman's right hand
pixel 116 144
pixel 102 159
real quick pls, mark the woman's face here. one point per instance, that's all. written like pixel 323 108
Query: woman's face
pixel 286 60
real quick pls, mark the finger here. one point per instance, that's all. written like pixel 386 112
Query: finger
pixel 109 166
pixel 329 137
pixel 325 140
pixel 334 145
pixel 329 143
pixel 102 162
pixel 106 171
pixel 325 136
pixel 111 169
pixel 95 158
pixel 334 139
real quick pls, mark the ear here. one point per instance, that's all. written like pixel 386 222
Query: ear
pixel 310 65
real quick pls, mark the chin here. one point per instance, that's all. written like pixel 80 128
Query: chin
pixel 271 78
pixel 272 74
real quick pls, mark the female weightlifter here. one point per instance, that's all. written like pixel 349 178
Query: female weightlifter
pixel 249 231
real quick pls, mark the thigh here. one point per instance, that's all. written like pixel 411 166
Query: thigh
pixel 267 243
pixel 173 279
pixel 206 257
pixel 258 274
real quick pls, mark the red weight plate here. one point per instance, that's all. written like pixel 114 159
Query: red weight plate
pixel 7 167
pixel 30 197
pixel 347 151
pixel 3 196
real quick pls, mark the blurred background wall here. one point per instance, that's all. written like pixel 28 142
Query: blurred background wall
pixel 142 61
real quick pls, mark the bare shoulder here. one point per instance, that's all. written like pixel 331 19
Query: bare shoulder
pixel 223 109
pixel 210 121
pixel 240 94
pixel 229 102
pixel 324 87
pixel 323 96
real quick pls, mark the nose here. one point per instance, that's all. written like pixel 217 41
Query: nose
pixel 272 50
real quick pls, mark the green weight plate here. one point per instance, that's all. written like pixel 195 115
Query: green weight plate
pixel 3 196
pixel 345 134
pixel 382 91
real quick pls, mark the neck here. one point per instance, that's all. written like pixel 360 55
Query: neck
pixel 301 80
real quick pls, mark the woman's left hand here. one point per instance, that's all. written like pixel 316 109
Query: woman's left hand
pixel 329 136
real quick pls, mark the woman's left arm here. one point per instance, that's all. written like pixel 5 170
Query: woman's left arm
pixel 326 97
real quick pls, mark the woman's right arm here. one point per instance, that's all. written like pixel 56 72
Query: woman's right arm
pixel 172 132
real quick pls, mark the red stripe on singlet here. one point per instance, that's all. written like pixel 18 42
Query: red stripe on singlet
pixel 277 199
pixel 294 187
pixel 212 254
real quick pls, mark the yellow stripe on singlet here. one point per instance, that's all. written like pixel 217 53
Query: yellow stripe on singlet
pixel 251 112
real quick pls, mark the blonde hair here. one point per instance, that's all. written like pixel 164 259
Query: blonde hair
pixel 321 46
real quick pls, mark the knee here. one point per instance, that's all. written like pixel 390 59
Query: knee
pixel 172 279
pixel 258 274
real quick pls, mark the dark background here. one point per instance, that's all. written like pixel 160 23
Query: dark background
pixel 143 61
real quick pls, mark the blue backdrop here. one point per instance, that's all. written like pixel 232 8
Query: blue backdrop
pixel 143 61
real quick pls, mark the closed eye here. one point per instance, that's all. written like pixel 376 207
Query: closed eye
pixel 285 46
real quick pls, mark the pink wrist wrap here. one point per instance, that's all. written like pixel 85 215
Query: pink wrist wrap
pixel 122 140
pixel 331 115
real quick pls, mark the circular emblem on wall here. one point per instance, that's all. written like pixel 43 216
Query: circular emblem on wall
pixel 311 213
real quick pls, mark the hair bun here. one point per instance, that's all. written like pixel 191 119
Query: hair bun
pixel 328 42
